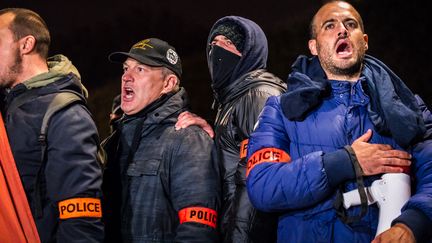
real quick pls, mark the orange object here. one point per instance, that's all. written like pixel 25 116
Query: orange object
pixel 80 207
pixel 243 148
pixel 199 215
pixel 16 220
pixel 267 155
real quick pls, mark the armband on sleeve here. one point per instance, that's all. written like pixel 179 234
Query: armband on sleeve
pixel 267 155
pixel 199 215
pixel 243 148
pixel 80 207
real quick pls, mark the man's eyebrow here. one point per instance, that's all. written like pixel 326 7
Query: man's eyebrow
pixel 332 20
pixel 328 21
pixel 350 19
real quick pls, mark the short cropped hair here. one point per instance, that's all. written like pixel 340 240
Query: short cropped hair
pixel 27 22
pixel 165 72
pixel 312 27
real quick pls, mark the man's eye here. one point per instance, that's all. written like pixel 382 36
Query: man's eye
pixel 351 25
pixel 229 43
pixel 140 69
pixel 125 69
pixel 329 26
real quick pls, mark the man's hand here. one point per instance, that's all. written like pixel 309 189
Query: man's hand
pixel 379 158
pixel 397 233
pixel 187 118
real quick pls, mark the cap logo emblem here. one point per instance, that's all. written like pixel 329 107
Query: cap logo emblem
pixel 172 56
pixel 143 44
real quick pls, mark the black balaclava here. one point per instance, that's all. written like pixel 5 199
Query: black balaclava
pixel 249 39
pixel 222 62
pixel 221 65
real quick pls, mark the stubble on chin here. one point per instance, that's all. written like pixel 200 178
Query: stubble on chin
pixel 7 80
pixel 347 69
pixel 341 68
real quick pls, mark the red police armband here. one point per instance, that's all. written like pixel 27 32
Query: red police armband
pixel 267 155
pixel 80 207
pixel 199 215
pixel 243 148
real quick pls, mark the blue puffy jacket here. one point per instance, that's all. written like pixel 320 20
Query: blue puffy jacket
pixel 310 164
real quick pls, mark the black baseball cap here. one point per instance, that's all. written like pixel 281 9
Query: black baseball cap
pixel 153 52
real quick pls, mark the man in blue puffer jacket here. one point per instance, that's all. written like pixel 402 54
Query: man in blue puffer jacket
pixel 345 120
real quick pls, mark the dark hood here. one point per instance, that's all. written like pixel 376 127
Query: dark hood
pixel 393 108
pixel 255 50
pixel 68 83
pixel 59 67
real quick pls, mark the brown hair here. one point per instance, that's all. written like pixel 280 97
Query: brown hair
pixel 27 22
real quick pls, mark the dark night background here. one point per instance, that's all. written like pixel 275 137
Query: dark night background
pixel 87 31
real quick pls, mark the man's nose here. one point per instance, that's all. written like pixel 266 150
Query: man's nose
pixel 342 30
pixel 126 77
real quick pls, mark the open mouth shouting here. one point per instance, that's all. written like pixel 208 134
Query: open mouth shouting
pixel 343 49
pixel 128 94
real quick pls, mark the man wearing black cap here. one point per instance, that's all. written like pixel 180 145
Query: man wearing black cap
pixel 237 57
pixel 169 183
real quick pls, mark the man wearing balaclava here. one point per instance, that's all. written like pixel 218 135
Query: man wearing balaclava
pixel 237 56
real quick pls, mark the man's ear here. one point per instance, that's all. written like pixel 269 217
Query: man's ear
pixel 169 83
pixel 366 39
pixel 27 44
pixel 312 47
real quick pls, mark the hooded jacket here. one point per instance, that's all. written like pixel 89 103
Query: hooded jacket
pixel 310 165
pixel 239 102
pixel 71 170
pixel 170 189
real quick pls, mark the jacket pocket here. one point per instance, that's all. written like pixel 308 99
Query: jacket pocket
pixel 148 167
pixel 143 194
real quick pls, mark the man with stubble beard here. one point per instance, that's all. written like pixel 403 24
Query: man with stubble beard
pixel 59 170
pixel 345 120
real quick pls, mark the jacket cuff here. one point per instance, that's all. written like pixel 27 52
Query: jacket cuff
pixel 418 222
pixel 338 167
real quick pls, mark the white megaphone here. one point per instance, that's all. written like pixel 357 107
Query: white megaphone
pixel 390 192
